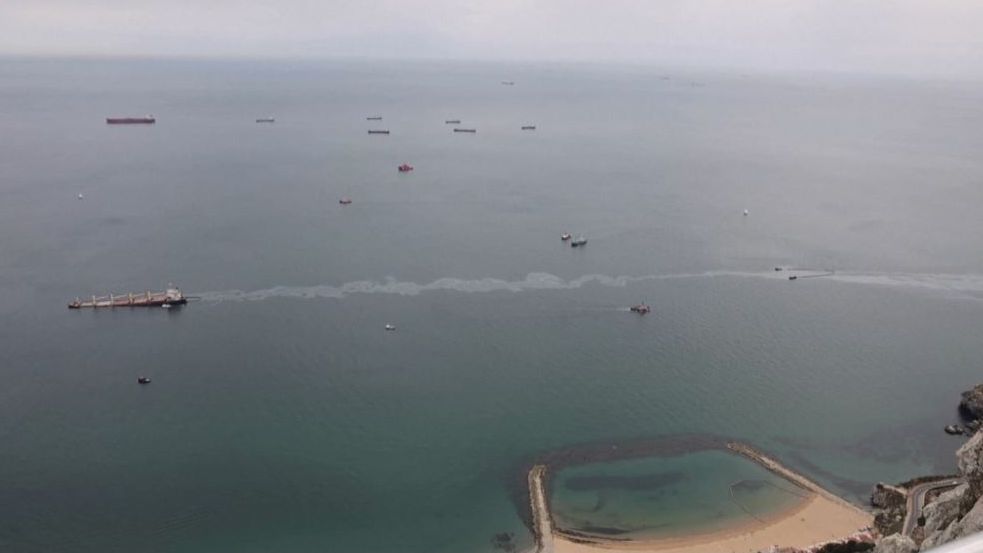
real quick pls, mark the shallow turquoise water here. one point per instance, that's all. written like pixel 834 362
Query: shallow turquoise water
pixel 284 418
pixel 668 497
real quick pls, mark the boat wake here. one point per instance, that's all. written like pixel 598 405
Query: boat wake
pixel 967 285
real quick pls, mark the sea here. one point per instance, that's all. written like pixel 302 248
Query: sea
pixel 282 416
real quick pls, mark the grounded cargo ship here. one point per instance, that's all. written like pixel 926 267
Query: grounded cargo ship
pixel 148 120
pixel 170 297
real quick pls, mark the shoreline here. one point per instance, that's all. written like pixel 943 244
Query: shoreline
pixel 821 517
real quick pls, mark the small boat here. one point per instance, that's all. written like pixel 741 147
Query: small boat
pixel 508 83
pixel 954 430
pixel 378 131
pixel 793 277
pixel 405 168
pixel 565 236
pixel 641 309
pixel 580 241
pixel 466 130
pixel 266 120
pixel 81 197
pixel 779 269
pixel 452 122
pixel 390 327
pixel 345 201
pixel 529 127
pixel 374 118
pixel 144 380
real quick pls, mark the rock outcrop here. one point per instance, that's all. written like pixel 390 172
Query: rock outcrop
pixel 969 459
pixel 890 501
pixel 945 510
pixel 886 496
pixel 954 514
pixel 971 405
pixel 896 543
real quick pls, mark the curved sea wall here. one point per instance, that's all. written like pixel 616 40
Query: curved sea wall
pixel 834 517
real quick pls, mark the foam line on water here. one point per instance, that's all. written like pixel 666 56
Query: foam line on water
pixel 967 284
pixel 532 281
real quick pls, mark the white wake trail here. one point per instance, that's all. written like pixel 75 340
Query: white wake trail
pixel 967 284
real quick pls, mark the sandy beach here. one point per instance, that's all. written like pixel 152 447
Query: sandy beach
pixel 816 519
pixel 820 517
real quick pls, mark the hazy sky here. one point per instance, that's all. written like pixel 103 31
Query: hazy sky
pixel 937 37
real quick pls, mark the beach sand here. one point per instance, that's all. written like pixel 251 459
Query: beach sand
pixel 817 519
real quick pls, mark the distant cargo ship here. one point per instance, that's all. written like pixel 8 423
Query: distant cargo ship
pixel 266 120
pixel 148 120
pixel 167 298
pixel 465 130
pixel 529 127
pixel 374 118
pixel 452 122
pixel 380 131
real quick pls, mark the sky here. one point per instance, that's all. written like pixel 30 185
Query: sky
pixel 910 37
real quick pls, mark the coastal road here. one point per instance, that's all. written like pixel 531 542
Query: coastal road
pixel 916 501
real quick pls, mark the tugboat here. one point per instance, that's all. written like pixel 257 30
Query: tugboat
pixel 565 236
pixel 405 168
pixel 580 241
pixel 641 309
pixel 345 201
pixel 144 380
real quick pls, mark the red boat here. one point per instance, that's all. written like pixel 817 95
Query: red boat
pixel 641 309
pixel 405 168
pixel 148 120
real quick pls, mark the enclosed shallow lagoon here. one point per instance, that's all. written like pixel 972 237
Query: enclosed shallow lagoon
pixel 670 497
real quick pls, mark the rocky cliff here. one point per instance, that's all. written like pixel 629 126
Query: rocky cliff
pixel 971 405
pixel 953 514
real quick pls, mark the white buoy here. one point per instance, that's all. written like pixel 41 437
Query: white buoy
pixel 745 213
pixel 81 196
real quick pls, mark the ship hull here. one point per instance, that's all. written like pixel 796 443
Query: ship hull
pixel 153 299
pixel 130 120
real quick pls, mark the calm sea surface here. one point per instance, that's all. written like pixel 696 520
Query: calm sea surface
pixel 282 417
